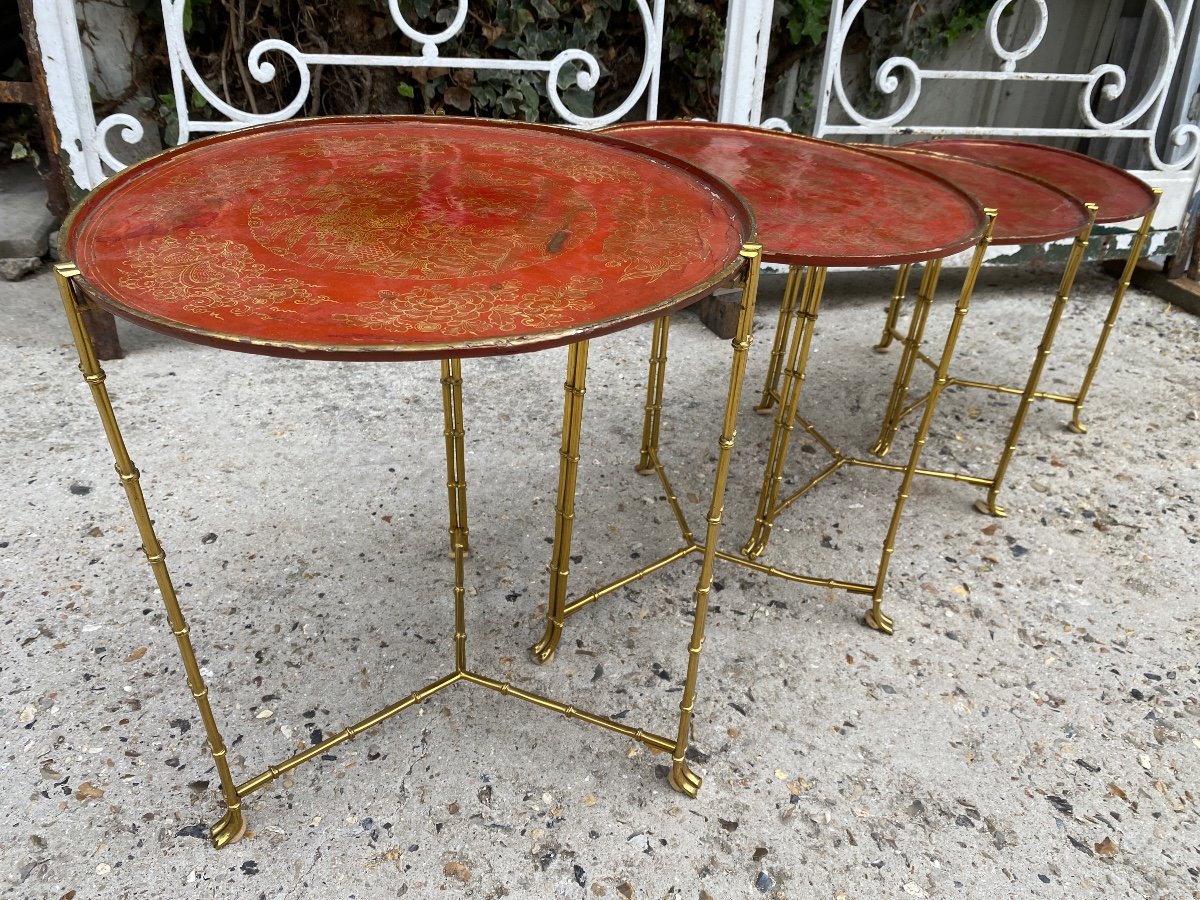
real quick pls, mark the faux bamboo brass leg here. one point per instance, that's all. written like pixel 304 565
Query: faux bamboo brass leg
pixel 655 380
pixel 908 358
pixel 564 522
pixel 893 313
pixel 682 778
pixel 875 616
pixel 787 308
pixel 456 484
pixel 990 506
pixel 785 417
pixel 456 480
pixel 231 826
pixel 1135 252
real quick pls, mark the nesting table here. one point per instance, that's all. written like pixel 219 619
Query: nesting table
pixel 394 239
pixel 818 204
pixel 388 239
pixel 1034 212
pixel 1117 197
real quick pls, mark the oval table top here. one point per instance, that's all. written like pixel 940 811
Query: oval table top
pixel 1030 211
pixel 1119 195
pixel 403 238
pixel 820 203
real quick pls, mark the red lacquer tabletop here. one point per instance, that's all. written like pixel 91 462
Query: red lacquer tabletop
pixel 1119 195
pixel 821 203
pixel 403 238
pixel 1030 211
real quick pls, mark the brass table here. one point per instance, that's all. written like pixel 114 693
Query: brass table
pixel 1117 197
pixel 818 204
pixel 1035 212
pixel 394 238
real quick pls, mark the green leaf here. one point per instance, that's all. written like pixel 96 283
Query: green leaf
pixel 405 90
pixel 531 98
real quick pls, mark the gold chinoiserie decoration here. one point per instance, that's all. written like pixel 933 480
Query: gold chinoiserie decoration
pixel 232 824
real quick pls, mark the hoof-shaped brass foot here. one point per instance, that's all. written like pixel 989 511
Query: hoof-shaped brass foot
pixel 754 547
pixel 684 780
pixel 765 406
pixel 543 650
pixel 756 544
pixel 645 466
pixel 883 448
pixel 882 347
pixel 228 829
pixel 990 507
pixel 1077 426
pixel 875 618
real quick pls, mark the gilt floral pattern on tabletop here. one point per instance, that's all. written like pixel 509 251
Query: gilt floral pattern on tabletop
pixel 444 309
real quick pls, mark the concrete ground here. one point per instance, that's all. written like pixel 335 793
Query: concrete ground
pixel 1032 728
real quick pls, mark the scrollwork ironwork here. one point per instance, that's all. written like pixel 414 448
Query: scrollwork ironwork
pixel 186 79
pixel 902 79
pixel 1012 57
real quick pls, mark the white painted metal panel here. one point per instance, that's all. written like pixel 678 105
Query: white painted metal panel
pixel 87 141
pixel 902 79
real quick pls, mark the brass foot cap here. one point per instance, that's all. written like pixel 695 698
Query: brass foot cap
pixel 228 830
pixel 990 509
pixel 879 621
pixel 753 550
pixel 542 652
pixel 684 780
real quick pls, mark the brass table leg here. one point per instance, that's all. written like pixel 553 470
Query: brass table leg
pixel 655 382
pixel 564 520
pixel 785 417
pixel 1135 251
pixel 787 307
pixel 875 616
pixel 456 479
pixel 648 460
pixel 682 778
pixel 893 313
pixel 990 505
pixel 908 358
pixel 231 826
